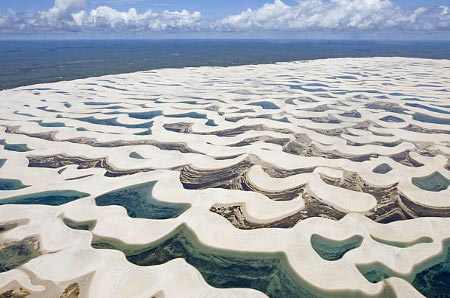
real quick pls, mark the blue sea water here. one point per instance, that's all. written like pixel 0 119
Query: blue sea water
pixel 30 62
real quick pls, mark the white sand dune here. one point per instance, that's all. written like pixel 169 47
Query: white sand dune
pixel 263 159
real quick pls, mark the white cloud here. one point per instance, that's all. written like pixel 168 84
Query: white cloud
pixel 67 15
pixel 105 17
pixel 57 17
pixel 305 15
pixel 336 15
pixel 61 11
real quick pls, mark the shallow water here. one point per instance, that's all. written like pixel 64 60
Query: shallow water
pixel 80 225
pixel 51 124
pixel 193 115
pixel 114 122
pixel 135 155
pixel 428 108
pixel 265 105
pixel 144 133
pixel 430 119
pixel 298 87
pixel 334 250
pixel 14 147
pixel 11 184
pixel 145 115
pixel 402 244
pixel 433 182
pixel 51 198
pixel 210 122
pixel 266 272
pixel 431 281
pixel 382 168
pixel 392 119
pixel 140 203
pixel 16 253
pixel 435 281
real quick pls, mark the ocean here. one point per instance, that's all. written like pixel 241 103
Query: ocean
pixel 30 62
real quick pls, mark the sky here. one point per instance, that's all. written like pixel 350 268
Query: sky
pixel 349 19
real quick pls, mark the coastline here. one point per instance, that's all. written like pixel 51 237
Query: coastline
pixel 219 67
pixel 29 62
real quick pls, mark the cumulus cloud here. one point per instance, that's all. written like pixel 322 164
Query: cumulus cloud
pixel 61 11
pixel 305 15
pixel 337 15
pixel 57 17
pixel 69 15
pixel 105 17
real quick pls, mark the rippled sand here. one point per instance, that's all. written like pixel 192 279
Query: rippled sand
pixel 301 179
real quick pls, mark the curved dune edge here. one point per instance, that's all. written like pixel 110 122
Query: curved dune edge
pixel 216 144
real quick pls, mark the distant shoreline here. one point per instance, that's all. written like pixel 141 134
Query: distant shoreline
pixel 29 62
pixel 127 74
